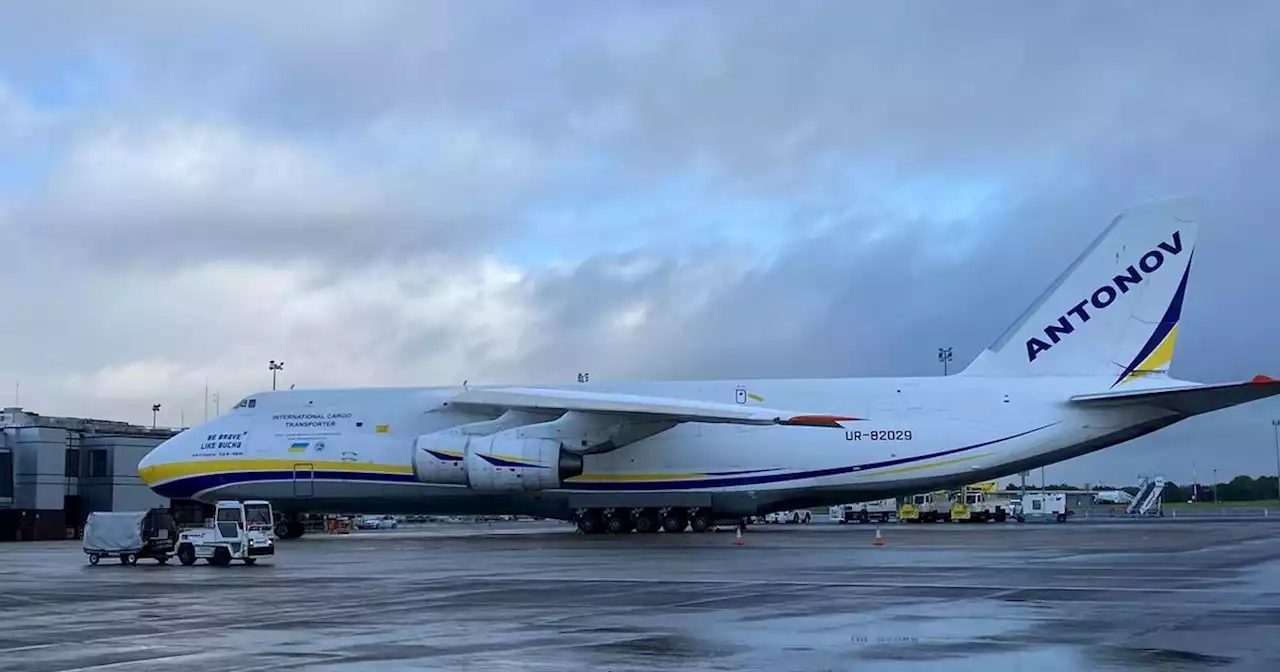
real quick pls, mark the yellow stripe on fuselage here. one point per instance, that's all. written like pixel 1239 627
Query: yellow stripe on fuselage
pixel 927 465
pixel 160 473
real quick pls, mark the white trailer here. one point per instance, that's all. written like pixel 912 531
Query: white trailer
pixel 241 531
pixel 799 516
pixel 879 511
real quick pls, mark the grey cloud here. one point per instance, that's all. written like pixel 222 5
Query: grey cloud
pixel 1074 112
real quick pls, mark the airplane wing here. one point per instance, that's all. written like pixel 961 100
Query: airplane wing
pixel 639 407
pixel 1190 399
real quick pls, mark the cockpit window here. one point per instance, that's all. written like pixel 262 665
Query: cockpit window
pixel 247 402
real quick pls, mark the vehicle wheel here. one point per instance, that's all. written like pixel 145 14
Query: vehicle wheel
pixel 163 559
pixel 221 556
pixel 93 559
pixel 282 530
pixel 187 554
pixel 616 524
pixel 647 522
pixel 1062 517
pixel 701 521
pixel 589 522
pixel 127 559
pixel 674 521
pixel 250 561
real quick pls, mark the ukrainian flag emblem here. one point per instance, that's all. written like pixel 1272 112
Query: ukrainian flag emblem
pixel 298 447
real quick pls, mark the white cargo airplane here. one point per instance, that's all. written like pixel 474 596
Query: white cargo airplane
pixel 1083 369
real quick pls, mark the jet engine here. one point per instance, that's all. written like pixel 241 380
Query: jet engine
pixel 440 457
pixel 502 462
pixel 505 462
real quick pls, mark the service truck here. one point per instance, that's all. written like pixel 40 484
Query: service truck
pixel 241 531
pixel 1042 506
pixel 980 503
pixel 926 508
pixel 879 511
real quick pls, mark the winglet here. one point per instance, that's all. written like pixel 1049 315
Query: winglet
pixel 817 421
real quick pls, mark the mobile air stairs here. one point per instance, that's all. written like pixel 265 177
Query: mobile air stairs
pixel 1147 501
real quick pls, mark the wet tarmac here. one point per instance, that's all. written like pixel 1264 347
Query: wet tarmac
pixel 535 596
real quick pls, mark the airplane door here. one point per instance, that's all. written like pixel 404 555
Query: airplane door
pixel 303 480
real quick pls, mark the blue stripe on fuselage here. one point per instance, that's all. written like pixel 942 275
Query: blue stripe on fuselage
pixel 763 479
pixel 187 487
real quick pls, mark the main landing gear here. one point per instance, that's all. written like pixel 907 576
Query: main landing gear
pixel 645 521
pixel 289 528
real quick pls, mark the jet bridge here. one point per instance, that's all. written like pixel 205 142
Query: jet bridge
pixel 1147 501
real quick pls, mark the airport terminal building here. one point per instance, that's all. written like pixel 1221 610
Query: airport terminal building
pixel 54 471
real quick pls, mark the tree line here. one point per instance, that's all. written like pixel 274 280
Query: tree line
pixel 1238 489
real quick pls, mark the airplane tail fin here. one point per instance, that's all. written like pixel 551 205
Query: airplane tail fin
pixel 1115 311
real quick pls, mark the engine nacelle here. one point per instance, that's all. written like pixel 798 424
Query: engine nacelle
pixel 505 462
pixel 502 462
pixel 441 457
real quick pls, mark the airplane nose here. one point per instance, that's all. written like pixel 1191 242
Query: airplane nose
pixel 151 464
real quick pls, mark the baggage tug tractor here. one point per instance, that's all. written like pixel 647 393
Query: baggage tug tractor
pixel 241 531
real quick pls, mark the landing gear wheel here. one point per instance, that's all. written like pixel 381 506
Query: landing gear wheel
pixel 618 523
pixel 647 522
pixel 701 521
pixel 674 521
pixel 282 529
pixel 187 554
pixel 590 522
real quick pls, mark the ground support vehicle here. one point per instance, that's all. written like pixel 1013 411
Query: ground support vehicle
pixel 130 535
pixel 799 516
pixel 980 506
pixel 930 507
pixel 241 531
pixel 879 511
pixel 1042 506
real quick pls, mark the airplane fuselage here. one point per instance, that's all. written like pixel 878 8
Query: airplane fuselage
pixel 359 450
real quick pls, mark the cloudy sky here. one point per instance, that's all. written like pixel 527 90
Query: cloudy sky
pixel 426 192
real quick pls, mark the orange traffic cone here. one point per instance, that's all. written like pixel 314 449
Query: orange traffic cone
pixel 738 540
pixel 879 539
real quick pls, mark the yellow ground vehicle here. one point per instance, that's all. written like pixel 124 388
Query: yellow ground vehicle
pixel 926 508
pixel 980 503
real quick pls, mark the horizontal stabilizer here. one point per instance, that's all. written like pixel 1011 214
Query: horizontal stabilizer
pixel 655 408
pixel 1188 400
